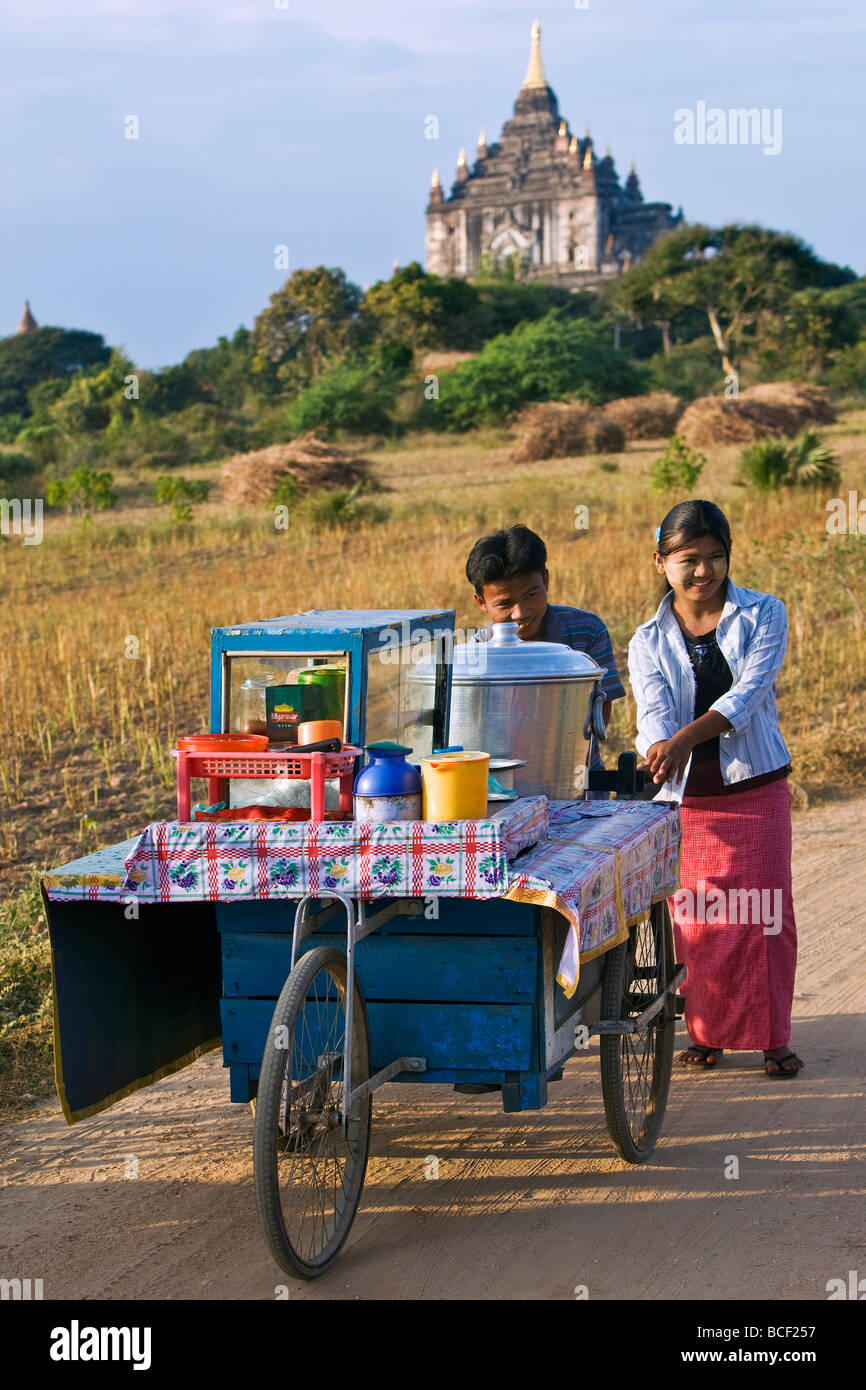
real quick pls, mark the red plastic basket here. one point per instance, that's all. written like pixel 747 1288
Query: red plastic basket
pixel 312 767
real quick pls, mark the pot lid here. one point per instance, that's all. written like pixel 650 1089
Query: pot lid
pixel 507 658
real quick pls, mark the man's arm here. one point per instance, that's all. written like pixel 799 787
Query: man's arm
pixel 601 650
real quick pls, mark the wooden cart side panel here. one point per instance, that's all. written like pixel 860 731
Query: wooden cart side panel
pixel 134 1001
pixel 490 1037
pixel 457 969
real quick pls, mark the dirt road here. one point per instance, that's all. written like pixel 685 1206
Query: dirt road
pixel 525 1206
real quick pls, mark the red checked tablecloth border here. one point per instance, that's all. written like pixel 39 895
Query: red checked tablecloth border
pixel 599 863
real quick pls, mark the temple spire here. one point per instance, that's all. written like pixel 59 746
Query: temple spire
pixel 535 71
pixel 28 322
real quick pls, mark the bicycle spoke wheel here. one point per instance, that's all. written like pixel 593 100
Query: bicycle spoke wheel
pixel 308 1172
pixel 636 1067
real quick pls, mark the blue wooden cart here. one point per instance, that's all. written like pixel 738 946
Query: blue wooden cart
pixel 320 1011
pixel 324 1000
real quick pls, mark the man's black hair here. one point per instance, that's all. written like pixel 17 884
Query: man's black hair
pixel 505 555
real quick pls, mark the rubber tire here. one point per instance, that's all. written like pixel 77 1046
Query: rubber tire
pixel 265 1167
pixel 613 1082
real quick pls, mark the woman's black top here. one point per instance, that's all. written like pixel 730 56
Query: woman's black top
pixel 712 678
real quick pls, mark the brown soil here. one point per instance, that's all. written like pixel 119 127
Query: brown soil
pixel 526 1206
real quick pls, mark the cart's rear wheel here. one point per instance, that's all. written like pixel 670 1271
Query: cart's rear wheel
pixel 308 1174
pixel 636 1067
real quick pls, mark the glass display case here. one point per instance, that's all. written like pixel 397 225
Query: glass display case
pixel 351 665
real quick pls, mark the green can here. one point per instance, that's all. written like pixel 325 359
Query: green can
pixel 331 681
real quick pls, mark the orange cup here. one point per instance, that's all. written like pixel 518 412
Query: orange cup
pixel 314 730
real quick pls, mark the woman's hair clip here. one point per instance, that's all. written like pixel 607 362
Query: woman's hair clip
pixel 657 532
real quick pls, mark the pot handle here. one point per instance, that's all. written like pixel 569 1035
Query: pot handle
pixel 595 724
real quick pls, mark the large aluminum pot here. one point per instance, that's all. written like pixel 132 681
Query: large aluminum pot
pixel 531 700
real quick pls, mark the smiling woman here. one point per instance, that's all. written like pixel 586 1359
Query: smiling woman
pixel 703 671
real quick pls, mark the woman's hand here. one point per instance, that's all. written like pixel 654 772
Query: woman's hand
pixel 667 760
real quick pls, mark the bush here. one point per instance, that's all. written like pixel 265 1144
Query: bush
pixel 848 372
pixel 43 442
pixel 678 468
pixel 286 491
pixel 812 463
pixel 180 489
pixel 83 491
pixel 16 465
pixel 352 398
pixel 145 442
pixel 768 464
pixel 764 464
pixel 339 508
pixel 546 360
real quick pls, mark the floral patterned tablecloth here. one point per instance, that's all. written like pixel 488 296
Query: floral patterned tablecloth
pixel 599 863
pixel 215 860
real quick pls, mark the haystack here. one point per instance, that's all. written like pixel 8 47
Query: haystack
pixel 558 429
pixel 809 402
pixel 653 416
pixel 775 408
pixel 250 479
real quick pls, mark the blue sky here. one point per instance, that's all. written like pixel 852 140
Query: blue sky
pixel 304 125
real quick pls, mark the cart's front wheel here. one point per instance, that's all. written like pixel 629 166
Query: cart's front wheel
pixel 308 1172
pixel 636 1067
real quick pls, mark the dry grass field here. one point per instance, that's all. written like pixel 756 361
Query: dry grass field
pixel 87 725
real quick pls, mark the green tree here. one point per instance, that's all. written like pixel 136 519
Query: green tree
pixel 813 324
pixel 741 277
pixel 416 308
pixel 231 371
pixel 169 390
pixel 646 293
pixel 28 358
pixel 313 318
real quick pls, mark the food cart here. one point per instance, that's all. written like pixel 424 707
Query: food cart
pixel 328 957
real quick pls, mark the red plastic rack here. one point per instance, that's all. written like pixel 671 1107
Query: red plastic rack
pixel 315 768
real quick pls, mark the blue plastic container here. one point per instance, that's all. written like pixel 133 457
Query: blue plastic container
pixel 388 788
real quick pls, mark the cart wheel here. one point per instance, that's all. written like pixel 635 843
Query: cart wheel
pixel 636 1067
pixel 308 1174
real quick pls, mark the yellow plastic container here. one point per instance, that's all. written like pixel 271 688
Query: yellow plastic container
pixel 454 786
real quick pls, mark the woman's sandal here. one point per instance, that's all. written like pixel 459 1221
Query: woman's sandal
pixel 777 1064
pixel 706 1057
